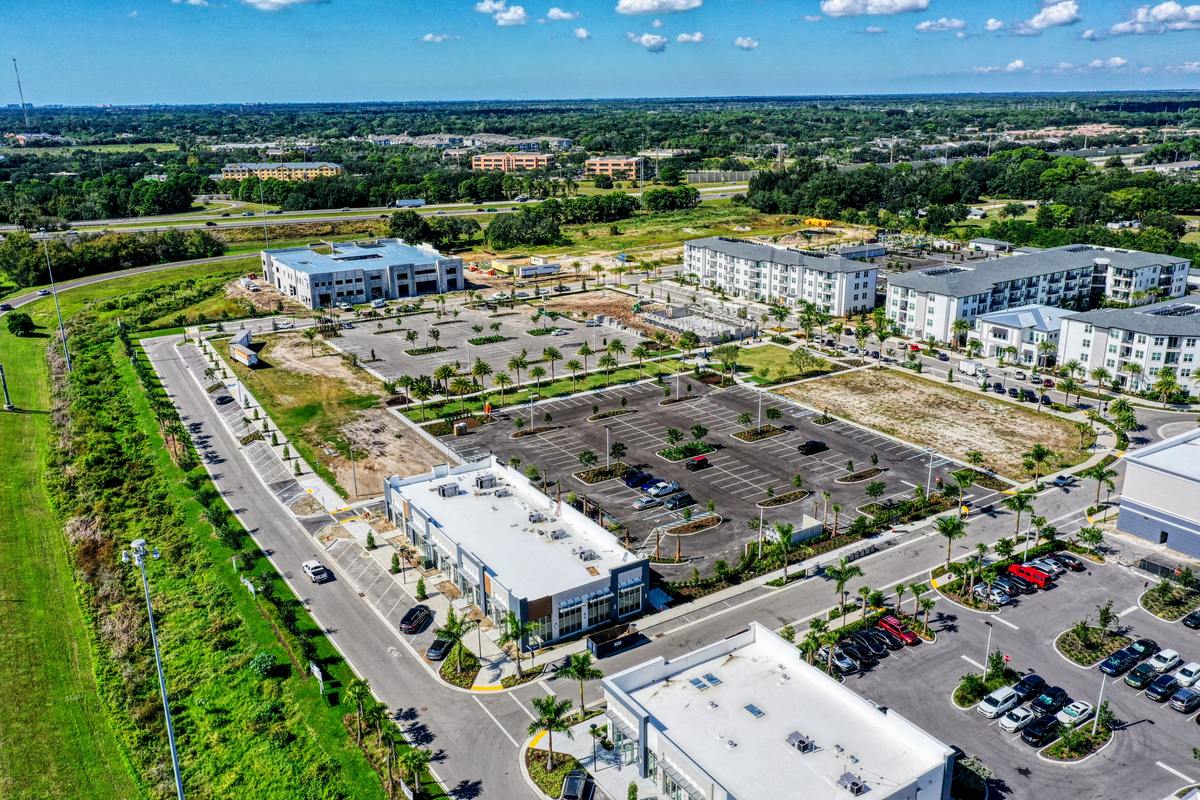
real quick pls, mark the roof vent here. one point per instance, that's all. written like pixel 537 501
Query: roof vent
pixel 730 744
pixel 852 783
pixel 447 490
pixel 485 481
pixel 712 704
pixel 801 742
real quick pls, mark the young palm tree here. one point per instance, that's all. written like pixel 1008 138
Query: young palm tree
pixel 900 590
pixel 864 594
pixel 414 761
pixel 607 362
pixel 584 351
pixel 310 335
pixel 917 588
pixel 359 691
pixel 377 716
pixel 515 632
pixel 1103 476
pixel 841 574
pixel 963 479
pixel 926 605
pixel 455 630
pixel 537 373
pixel 574 366
pixel 552 717
pixel 783 543
pixel 639 352
pixel 578 667
pixel 617 348
pixel 951 528
pixel 552 355
pixel 518 363
pixel 837 513
pixel 461 387
pixel 1038 456
pixel 443 374
pixel 1018 503
pixel 480 370
pixel 503 380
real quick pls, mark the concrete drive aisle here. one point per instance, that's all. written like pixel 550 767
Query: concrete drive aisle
pixel 473 758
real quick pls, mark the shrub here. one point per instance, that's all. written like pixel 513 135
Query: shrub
pixel 262 665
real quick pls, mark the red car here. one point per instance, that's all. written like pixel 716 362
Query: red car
pixel 1031 574
pixel 897 629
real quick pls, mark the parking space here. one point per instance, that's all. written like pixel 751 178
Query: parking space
pixel 738 476
pixel 1150 755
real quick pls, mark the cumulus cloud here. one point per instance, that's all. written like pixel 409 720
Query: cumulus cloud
pixel 874 30
pixel 1054 13
pixel 279 5
pixel 1162 18
pixel 658 23
pixel 437 38
pixel 1016 65
pixel 490 6
pixel 583 33
pixel 941 24
pixel 745 43
pixel 651 41
pixel 812 18
pixel 993 25
pixel 1090 34
pixel 190 2
pixel 558 15
pixel 1187 68
pixel 511 16
pixel 690 38
pixel 656 6
pixel 856 8
pixel 1115 62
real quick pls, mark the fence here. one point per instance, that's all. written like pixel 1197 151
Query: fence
pixel 720 176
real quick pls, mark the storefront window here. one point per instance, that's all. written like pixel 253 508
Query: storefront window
pixel 570 621
pixel 599 610
pixel 629 600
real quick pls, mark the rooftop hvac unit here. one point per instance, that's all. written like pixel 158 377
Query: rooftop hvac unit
pixel 448 490
pixel 852 784
pixel 485 481
pixel 558 533
pixel 801 742
pixel 588 555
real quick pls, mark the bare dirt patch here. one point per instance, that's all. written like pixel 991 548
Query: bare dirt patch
pixel 290 352
pixel 617 305
pixel 267 298
pixel 383 446
pixel 952 420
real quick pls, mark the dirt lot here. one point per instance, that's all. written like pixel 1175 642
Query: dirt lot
pixel 613 304
pixel 267 298
pixel 951 420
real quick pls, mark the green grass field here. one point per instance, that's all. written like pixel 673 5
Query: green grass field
pixel 778 360
pixel 159 147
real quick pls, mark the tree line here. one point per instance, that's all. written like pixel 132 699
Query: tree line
pixel 23 259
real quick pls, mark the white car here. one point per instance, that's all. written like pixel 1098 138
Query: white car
pixel 1078 712
pixel 1188 674
pixel 663 488
pixel 285 325
pixel 1048 566
pixel 999 702
pixel 642 503
pixel 1165 661
pixel 315 571
pixel 561 332
pixel 1017 719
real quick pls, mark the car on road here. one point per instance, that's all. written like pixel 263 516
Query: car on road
pixel 1041 731
pixel 1165 660
pixel 1192 620
pixel 210 224
pixel 943 357
pixel 1019 375
pixel 841 662
pixel 1162 687
pixel 1118 663
pixel 643 503
pixel 997 388
pixel 316 571
pixel 1144 648
pixel 439 649
pixel 43 292
pixel 1063 481
pixel 1185 700
pixel 663 488
pixel 895 627
pixel 1075 713
pixel 415 619
pixel 1029 686
pixel 1050 700
pixel 811 447
pixel 697 463
pixel 1140 676
pixel 998 702
pixel 1188 674
pixel 1016 719
pixel 678 501
pixel 247 213
pixel 226 214
pixel 5 307
pixel 345 208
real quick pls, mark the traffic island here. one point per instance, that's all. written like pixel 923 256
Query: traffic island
pixel 1087 645
pixel 548 770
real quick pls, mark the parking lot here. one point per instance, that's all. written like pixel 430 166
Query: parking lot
pixel 739 473
pixel 1150 754
pixel 391 360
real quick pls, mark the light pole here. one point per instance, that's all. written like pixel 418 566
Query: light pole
pixel 929 473
pixel 62 330
pixel 137 552
pixel 8 406
pixel 353 471
pixel 760 531
pixel 606 449
pixel 1099 702
pixel 988 651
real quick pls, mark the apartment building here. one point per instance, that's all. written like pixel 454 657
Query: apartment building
pixel 1134 344
pixel 839 286
pixel 926 303
pixel 626 168
pixel 1028 334
pixel 280 171
pixel 509 547
pixel 510 162
pixel 359 272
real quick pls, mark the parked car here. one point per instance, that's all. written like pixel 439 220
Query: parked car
pixel 633 477
pixel 1023 586
pixel 1014 392
pixel 998 387
pixel 1063 481
pixel 891 640
pixel 415 619
pixel 1075 713
pixel 998 702
pixel 841 662
pixel 1006 585
pixel 1192 620
pixel 1165 660
pixel 1029 395
pixel 1052 568
pixel 1046 400
pixel 1069 561
pixel 697 463
pixel 1029 686
pixel 1118 663
pixel 576 783
pixel 1188 674
pixel 316 571
pixel 1140 676
pixel 1037 577
pixel 1041 731
pixel 1019 375
pixel 859 653
pixel 895 627
pixel 864 639
pixel 678 501
pixel 210 224
pixel 1144 648
pixel 1016 719
pixel 943 357
pixel 993 595
pixel 663 488
pixel 1162 687
pixel 643 503
pixel 811 447
pixel 223 399
pixel 1050 700
pixel 438 649
pixel 1185 700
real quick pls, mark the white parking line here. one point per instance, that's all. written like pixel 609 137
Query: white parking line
pixel 1174 772
pixel 493 719
pixel 1003 621
pixel 971 661
pixel 1129 610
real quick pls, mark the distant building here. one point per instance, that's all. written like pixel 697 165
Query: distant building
pixel 626 168
pixel 1033 330
pixel 239 349
pixel 665 152
pixel 387 269
pixel 280 171
pixel 862 252
pixel 511 162
pixel 1160 497
pixel 748 717
pixel 990 245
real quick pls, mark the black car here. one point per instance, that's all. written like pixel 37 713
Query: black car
pixel 223 399
pixel 1047 400
pixel 211 224
pixel 1029 686
pixel 634 477
pixel 1162 687
pixel 1041 731
pixel 812 447
pixel 1118 663
pixel 1069 561
pixel 1192 620
pixel 890 640
pixel 1140 676
pixel 575 785
pixel 1023 586
pixel 1029 396
pixel 678 501
pixel 1144 648
pixel 438 650
pixel 998 387
pixel 1014 392
pixel 866 640
pixel 5 307
pixel 1005 585
pixel 415 619
pixel 1050 700
pixel 860 654
pixel 943 357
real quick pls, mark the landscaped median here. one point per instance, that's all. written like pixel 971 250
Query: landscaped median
pixel 1172 598
pixel 1087 645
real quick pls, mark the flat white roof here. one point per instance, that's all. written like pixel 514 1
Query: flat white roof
pixel 525 556
pixel 1178 455
pixel 763 692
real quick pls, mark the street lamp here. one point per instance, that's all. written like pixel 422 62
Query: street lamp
pixel 62 330
pixel 606 449
pixel 929 473
pixel 988 651
pixel 1099 702
pixel 137 553
pixel 8 406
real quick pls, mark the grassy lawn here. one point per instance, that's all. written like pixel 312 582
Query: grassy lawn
pixel 158 147
pixel 953 420
pixel 777 360
pixel 219 306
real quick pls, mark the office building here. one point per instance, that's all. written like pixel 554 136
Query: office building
pixel 511 162
pixel 925 303
pixel 748 717
pixel 1028 334
pixel 1160 498
pixel 280 171
pixel 359 272
pixel 508 547
pixel 840 286
pixel 625 168
pixel 1134 344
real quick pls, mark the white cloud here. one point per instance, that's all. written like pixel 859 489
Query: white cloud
pixel 490 6
pixel 656 6
pixel 1115 62
pixel 1161 18
pixel 690 38
pixel 190 2
pixel 941 24
pixel 558 15
pixel 874 30
pixel 133 14
pixel 437 38
pixel 279 5
pixel 1090 34
pixel 651 41
pixel 658 23
pixel 855 8
pixel 812 18
pixel 745 43
pixel 993 25
pixel 1054 13
pixel 1187 67
pixel 583 33
pixel 1016 65
pixel 513 15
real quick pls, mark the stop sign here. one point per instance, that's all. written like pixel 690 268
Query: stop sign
pixel 1007 658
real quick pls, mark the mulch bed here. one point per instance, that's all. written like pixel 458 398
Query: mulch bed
pixel 759 434
pixel 694 526
pixel 600 474
pixel 783 499
pixel 860 476
pixel 682 399
pixel 609 414
pixel 521 434
pixel 424 351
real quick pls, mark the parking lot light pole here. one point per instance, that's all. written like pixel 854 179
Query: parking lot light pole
pixel 606 449
pixel 8 406
pixel 987 652
pixel 137 553
pixel 929 473
pixel 1099 702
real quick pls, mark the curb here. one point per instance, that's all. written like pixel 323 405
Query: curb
pixel 1112 736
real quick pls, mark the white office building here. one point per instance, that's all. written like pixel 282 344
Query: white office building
pixel 748 717
pixel 1160 498
pixel 508 547
pixel 1152 337
pixel 926 303
pixel 1032 330
pixel 359 272
pixel 838 285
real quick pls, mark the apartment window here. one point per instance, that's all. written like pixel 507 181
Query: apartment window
pixel 570 621
pixel 629 600
pixel 1188 357
pixel 1086 343
pixel 1189 342
pixel 1141 338
pixel 1159 341
pixel 1156 356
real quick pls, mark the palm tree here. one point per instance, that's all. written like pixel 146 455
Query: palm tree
pixel 607 362
pixel 617 348
pixel 503 380
pixel 1101 376
pixel 480 370
pixel 574 366
pixel 414 761
pixel 837 512
pixel 455 630
pixel 1103 476
pixel 926 605
pixel 390 738
pixel 1073 366
pixel 864 594
pixel 515 632
pixel 900 590
pixel 422 391
pixel 1069 386
pixel 639 352
pixel 951 528
pixel 961 328
pixel 359 691
pixel 841 574
pixel 783 542
pixel 376 716
pixel 1038 455
pixel 443 374
pixel 1018 503
pixel 310 334
pixel 537 373
pixel 518 363
pixel 461 387
pixel 552 717
pixel 578 667
pixel 584 351
pixel 964 479
pixel 552 355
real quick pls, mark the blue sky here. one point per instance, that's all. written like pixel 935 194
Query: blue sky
pixel 186 51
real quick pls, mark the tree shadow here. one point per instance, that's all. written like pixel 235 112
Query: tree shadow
pixel 467 790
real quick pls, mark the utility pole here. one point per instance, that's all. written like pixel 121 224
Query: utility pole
pixel 21 93
pixel 8 406
pixel 353 472
pixel 62 330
